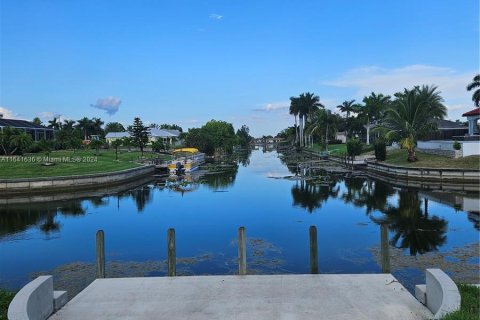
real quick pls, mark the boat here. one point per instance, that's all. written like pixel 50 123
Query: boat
pixel 185 160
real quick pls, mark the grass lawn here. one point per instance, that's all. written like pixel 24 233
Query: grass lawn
pixel 5 298
pixel 339 149
pixel 425 160
pixel 78 163
pixel 470 305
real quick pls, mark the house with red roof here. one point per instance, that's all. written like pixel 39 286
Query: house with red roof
pixel 472 118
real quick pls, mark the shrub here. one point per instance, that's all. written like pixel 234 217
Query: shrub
pixel 354 147
pixel 457 145
pixel 380 150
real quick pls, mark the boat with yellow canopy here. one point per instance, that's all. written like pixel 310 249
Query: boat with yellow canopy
pixel 186 160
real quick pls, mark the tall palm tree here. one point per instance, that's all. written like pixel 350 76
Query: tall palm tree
pixel 97 124
pixel 54 124
pixel 294 110
pixel 410 117
pixel 68 125
pixel 375 107
pixel 308 103
pixel 349 107
pixel 84 125
pixel 476 94
pixel 323 119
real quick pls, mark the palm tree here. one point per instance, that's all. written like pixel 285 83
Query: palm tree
pixel 37 121
pixel 54 124
pixel 307 104
pixel 68 125
pixel 294 109
pixel 476 94
pixel 84 124
pixel 349 107
pixel 410 117
pixel 97 124
pixel 375 107
pixel 323 119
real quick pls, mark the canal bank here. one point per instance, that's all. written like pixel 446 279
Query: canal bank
pixel 72 183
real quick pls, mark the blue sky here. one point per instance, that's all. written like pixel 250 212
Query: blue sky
pixel 187 62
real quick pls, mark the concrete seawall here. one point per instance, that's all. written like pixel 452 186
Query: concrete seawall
pixel 14 186
pixel 425 174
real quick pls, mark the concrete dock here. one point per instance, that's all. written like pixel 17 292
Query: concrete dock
pixel 356 296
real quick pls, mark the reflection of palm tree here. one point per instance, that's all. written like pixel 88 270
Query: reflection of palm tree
pixel 142 196
pixel 412 227
pixel 72 208
pixel 369 194
pixel 311 196
pixel 50 225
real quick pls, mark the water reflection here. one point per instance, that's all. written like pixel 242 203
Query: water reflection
pixel 311 195
pixel 413 228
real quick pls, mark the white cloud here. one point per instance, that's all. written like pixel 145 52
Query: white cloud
pixel 450 82
pixel 215 16
pixel 109 104
pixel 8 114
pixel 273 106
pixel 48 115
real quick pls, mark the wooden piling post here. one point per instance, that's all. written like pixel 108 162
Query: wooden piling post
pixel 313 250
pixel 242 252
pixel 171 252
pixel 100 252
pixel 384 248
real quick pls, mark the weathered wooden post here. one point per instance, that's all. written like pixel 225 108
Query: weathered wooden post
pixel 100 251
pixel 242 252
pixel 171 252
pixel 384 248
pixel 313 250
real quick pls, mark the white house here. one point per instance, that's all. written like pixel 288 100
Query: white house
pixel 165 135
pixel 472 117
pixel 112 136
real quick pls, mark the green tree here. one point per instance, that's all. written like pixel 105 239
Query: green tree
pixel 199 138
pixel 324 122
pixel 349 108
pixel 37 121
pixel 354 147
pixel 96 145
pixel 116 144
pixel 114 127
pixel 294 110
pixel 374 109
pixel 222 135
pixel 307 103
pixel 139 134
pixel 410 117
pixel 54 124
pixel 85 125
pixel 171 127
pixel 158 146
pixel 46 146
pixel 475 84
pixel 20 142
pixel 244 137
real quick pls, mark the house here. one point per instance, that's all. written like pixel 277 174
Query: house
pixel 37 132
pixel 341 136
pixel 472 117
pixel 448 130
pixel 167 136
pixel 112 136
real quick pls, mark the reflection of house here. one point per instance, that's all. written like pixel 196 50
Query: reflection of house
pixel 165 135
pixel 112 136
pixel 37 132
pixel 472 117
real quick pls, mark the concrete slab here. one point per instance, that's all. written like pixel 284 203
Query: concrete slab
pixel 377 296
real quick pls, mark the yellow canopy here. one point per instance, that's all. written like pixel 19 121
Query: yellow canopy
pixel 191 150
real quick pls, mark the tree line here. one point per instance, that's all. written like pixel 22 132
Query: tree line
pixel 404 118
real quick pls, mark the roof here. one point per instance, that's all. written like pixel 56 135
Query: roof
pixel 449 125
pixel 23 124
pixel 164 133
pixel 111 135
pixel 474 112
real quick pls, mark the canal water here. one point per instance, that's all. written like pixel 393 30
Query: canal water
pixel 56 235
